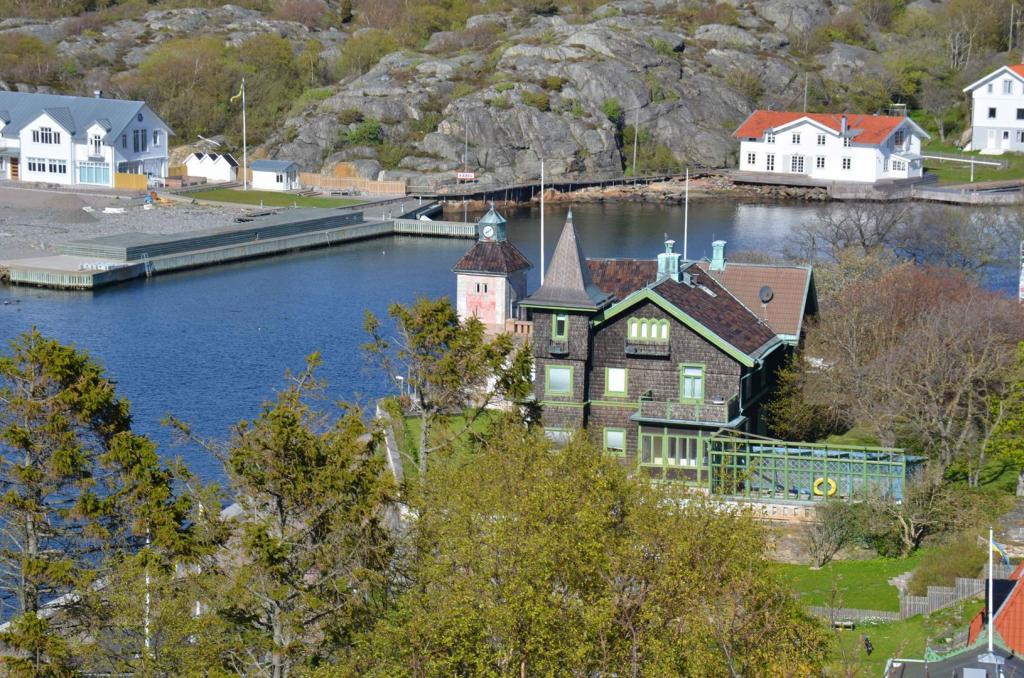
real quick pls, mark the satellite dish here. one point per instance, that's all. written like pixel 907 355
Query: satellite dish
pixel 766 294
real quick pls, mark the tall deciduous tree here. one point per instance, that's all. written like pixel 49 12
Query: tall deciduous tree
pixel 306 566
pixel 449 366
pixel 528 560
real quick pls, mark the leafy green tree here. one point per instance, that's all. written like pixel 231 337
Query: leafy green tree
pixel 26 58
pixel 363 50
pixel 612 109
pixel 273 79
pixel 1006 444
pixel 528 560
pixel 449 366
pixel 34 651
pixel 309 549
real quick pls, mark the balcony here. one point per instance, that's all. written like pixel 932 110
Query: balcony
pixel 646 348
pixel 712 410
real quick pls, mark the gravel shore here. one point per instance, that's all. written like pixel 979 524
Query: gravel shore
pixel 35 222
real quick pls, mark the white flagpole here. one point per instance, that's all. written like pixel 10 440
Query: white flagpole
pixel 686 218
pixel 991 622
pixel 245 147
pixel 542 221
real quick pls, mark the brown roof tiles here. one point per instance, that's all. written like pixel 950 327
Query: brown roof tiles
pixel 567 282
pixel 790 287
pixel 492 257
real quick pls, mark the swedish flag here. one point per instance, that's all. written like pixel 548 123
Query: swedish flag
pixel 1001 550
pixel 241 90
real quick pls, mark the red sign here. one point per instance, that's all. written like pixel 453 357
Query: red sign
pixel 468 176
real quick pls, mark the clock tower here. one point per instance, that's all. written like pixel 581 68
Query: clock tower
pixel 491 276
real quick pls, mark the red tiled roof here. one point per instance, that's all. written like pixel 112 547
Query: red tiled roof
pixel 1010 620
pixel 976 627
pixel 785 312
pixel 492 257
pixel 1017 68
pixel 870 129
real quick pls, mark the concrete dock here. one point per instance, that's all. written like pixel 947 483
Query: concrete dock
pixel 106 260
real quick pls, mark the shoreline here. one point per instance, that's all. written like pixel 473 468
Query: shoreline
pixel 672 192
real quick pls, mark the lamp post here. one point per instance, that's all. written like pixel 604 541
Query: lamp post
pixel 401 384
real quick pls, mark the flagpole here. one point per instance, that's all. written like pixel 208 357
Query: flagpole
pixel 990 620
pixel 245 147
pixel 542 221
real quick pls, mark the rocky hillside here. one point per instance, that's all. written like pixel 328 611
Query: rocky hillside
pixel 519 86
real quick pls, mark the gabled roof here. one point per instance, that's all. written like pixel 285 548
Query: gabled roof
pixel 272 165
pixel 195 156
pixel 1016 70
pixel 791 288
pixel 567 282
pixel 75 114
pixel 5 116
pixel 863 129
pixel 707 308
pixel 492 257
pixel 62 116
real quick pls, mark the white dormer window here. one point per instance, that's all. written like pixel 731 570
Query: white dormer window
pixel 769 138
pixel 821 139
pixel 989 89
pixel 1007 86
pixel 897 137
pixel 846 142
pixel 796 138
pixel 96 145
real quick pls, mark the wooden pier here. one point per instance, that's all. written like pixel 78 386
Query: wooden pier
pixel 106 260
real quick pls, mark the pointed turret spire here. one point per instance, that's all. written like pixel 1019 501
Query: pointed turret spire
pixel 567 283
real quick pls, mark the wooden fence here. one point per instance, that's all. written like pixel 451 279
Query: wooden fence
pixel 131 182
pixel 177 171
pixel 326 182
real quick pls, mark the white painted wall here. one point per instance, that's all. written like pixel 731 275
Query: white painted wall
pixel 1005 131
pixel 267 181
pixel 60 151
pixel 219 170
pixel 867 164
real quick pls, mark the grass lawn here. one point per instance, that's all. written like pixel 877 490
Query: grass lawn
pixel 271 198
pixel 409 443
pixel 906 639
pixel 960 173
pixel 857 583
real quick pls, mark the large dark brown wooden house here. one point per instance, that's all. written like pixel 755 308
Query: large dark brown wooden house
pixel 652 356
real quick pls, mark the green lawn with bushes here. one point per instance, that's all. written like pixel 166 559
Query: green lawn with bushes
pixel 950 172
pixel 271 198
pixel 859 584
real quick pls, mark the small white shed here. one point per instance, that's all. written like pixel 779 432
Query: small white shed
pixel 214 167
pixel 275 175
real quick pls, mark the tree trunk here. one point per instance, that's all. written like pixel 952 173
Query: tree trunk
pixel 423 445
pixel 1020 484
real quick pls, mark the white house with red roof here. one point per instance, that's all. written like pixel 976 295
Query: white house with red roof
pixel 997 111
pixel 829 147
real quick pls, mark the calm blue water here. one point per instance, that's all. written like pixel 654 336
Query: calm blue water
pixel 210 345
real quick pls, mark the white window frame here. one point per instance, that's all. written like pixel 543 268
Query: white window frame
pixel 796 163
pixel 770 162
pixel 847 163
pixel 769 137
pixel 821 139
pixel 819 162
pixel 795 139
pixel 1007 86
pixel 846 142
pixel 991 112
pixel 752 159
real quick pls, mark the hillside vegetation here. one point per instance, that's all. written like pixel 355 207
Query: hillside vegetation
pixel 400 87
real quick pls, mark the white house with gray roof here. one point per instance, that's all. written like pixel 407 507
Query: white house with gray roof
pixel 84 141
pixel 275 175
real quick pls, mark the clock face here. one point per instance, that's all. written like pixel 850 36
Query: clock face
pixel 488 231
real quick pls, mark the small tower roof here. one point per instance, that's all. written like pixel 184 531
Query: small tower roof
pixel 492 217
pixel 567 282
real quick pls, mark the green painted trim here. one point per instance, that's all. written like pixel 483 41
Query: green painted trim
pixel 547 379
pixel 625 439
pixel 561 403
pixel 703 384
pixel 651 327
pixel 624 394
pixel 555 336
pixel 621 404
pixel 647 294
pixel 546 307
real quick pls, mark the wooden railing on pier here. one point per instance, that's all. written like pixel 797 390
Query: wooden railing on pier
pixel 452 229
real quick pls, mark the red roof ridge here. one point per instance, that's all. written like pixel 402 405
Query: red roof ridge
pixel 872 129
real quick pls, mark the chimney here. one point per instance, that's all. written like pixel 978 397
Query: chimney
pixel 98 93
pixel 668 262
pixel 842 125
pixel 718 253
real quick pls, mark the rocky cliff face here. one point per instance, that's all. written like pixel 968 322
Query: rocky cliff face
pixel 512 89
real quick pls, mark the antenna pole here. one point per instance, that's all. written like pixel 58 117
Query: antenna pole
pixel 805 91
pixel 465 162
pixel 542 221
pixel 686 218
pixel 636 135
pixel 245 146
